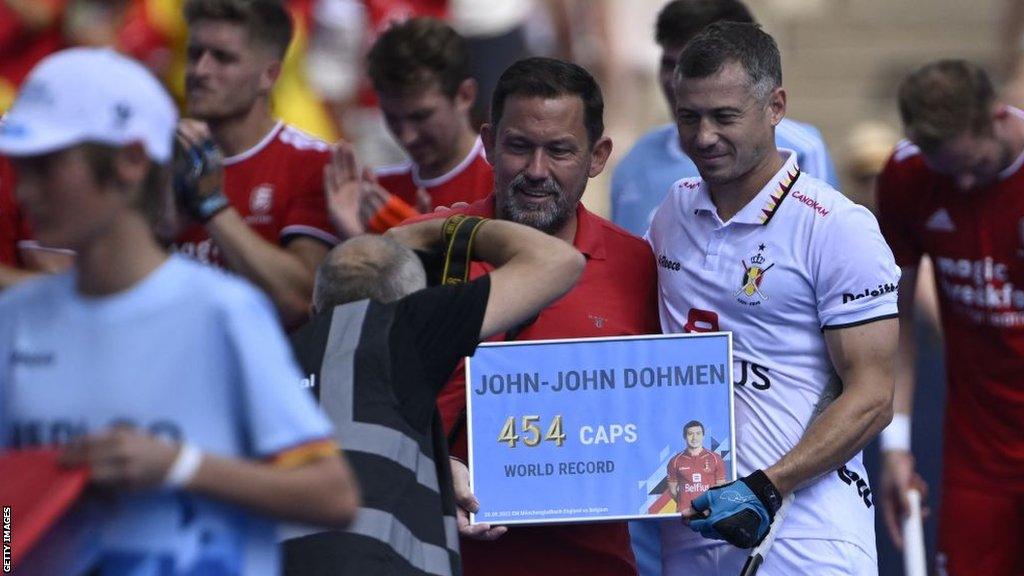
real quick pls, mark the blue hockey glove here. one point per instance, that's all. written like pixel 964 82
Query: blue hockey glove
pixel 198 178
pixel 739 512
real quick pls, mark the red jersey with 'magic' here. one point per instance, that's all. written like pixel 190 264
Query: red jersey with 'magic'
pixel 277 187
pixel 470 181
pixel 615 296
pixel 975 239
pixel 695 475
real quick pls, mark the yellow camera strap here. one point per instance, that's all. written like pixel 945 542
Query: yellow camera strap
pixel 458 232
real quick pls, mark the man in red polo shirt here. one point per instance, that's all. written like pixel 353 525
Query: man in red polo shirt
pixel 955 192
pixel 545 139
pixel 695 470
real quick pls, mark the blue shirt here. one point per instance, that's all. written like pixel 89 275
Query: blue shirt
pixel 188 353
pixel 642 179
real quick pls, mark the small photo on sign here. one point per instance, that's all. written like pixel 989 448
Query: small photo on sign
pixel 696 468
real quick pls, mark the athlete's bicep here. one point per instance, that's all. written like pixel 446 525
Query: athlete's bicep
pixel 864 357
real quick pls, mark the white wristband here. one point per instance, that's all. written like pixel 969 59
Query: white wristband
pixel 185 467
pixel 896 435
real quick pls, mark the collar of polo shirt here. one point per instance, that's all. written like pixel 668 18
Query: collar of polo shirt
pixel 763 206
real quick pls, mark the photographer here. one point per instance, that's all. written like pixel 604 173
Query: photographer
pixel 377 354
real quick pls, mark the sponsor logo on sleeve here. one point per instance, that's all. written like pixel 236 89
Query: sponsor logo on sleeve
pixel 887 288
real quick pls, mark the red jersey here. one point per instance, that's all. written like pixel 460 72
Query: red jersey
pixel 695 475
pixel 615 296
pixel 470 181
pixel 277 187
pixel 975 239
pixel 13 227
pixel 23 46
pixel 383 13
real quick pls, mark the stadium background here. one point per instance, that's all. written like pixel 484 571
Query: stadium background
pixel 842 61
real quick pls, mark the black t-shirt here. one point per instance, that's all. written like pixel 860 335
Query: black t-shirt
pixel 433 330
pixel 430 332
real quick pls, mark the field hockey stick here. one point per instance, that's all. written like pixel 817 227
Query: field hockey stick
pixel 758 554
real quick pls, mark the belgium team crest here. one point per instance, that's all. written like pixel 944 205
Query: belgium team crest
pixel 750 292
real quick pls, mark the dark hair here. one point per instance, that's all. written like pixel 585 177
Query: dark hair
pixel 416 53
pixel 693 424
pixel 267 22
pixel 680 20
pixel 551 78
pixel 945 99
pixel 725 42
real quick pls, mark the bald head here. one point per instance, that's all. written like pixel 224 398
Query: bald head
pixel 367 267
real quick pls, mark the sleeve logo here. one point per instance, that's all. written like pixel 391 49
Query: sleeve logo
pixel 887 288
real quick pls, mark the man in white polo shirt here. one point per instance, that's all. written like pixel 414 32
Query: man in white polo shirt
pixel 802 277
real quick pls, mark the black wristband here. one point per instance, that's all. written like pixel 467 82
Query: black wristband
pixel 765 491
pixel 458 235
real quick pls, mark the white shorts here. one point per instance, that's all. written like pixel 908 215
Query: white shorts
pixel 787 557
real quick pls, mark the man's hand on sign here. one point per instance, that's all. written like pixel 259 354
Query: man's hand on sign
pixel 466 503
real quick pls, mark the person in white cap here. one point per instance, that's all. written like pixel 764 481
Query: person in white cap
pixel 170 381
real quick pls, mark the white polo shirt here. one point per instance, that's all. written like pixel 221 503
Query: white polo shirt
pixel 798 259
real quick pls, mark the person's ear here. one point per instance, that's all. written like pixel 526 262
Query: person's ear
pixel 777 105
pixel 131 165
pixel 271 72
pixel 488 136
pixel 465 95
pixel 599 155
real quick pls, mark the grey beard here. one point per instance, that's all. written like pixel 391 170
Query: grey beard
pixel 548 220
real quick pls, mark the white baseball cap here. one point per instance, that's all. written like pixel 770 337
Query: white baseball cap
pixel 89 95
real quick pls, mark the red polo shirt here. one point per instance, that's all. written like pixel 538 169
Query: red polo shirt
pixel 616 296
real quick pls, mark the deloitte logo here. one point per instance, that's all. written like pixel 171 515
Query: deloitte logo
pixel 869 293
